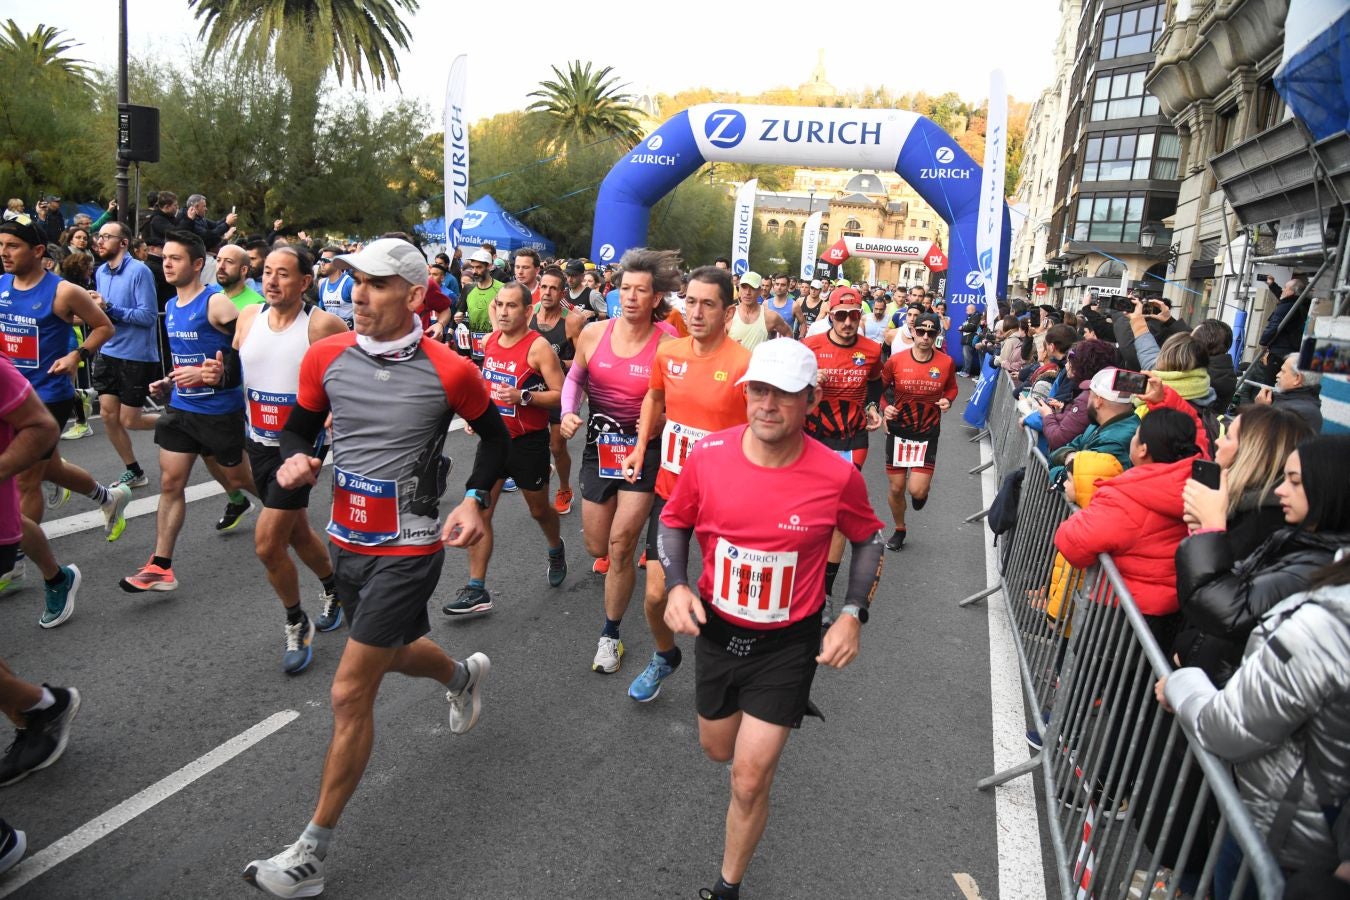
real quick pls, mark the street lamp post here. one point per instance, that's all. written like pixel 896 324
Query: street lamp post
pixel 123 201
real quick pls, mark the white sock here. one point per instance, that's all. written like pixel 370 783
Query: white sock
pixel 47 700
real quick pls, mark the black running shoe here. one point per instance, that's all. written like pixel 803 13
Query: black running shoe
pixel 557 566
pixel 897 540
pixel 917 503
pixel 469 601
pixel 44 740
pixel 233 513
pixel 13 844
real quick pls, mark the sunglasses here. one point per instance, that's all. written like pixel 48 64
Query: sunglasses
pixel 929 331
pixel 847 315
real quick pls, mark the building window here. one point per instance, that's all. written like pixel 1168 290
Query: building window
pixel 1110 269
pixel 852 225
pixel 1121 95
pixel 771 226
pixel 1223 128
pixel 824 233
pixel 913 223
pixel 1132 31
pixel 924 224
pixel 789 225
pixel 1115 218
pixel 1131 155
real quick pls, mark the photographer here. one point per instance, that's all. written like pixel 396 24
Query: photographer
pixel 1157 313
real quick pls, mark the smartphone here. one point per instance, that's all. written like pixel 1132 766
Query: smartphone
pixel 232 209
pixel 1127 382
pixel 1120 304
pixel 1206 472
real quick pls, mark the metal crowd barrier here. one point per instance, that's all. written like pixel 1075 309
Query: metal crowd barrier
pixel 1134 809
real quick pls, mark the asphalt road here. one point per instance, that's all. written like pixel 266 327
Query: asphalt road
pixel 565 789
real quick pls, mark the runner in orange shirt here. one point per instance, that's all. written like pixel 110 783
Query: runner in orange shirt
pixel 693 385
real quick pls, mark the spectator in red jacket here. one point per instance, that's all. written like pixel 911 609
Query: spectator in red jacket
pixel 1137 518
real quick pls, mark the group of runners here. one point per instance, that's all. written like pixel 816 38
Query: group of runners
pixel 688 434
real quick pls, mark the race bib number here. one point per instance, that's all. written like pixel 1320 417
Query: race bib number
pixel 754 585
pixel 20 344
pixel 612 448
pixel 502 379
pixel 907 454
pixel 181 360
pixel 676 442
pixel 476 340
pixel 365 510
pixel 268 412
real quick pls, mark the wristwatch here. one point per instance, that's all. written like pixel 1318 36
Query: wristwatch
pixel 858 612
pixel 478 496
pixel 526 397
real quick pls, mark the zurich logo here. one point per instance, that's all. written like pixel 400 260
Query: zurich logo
pixel 606 252
pixel 655 142
pixel 342 480
pixel 740 267
pixel 974 279
pixel 675 427
pixel 725 128
pixel 733 552
pixel 944 155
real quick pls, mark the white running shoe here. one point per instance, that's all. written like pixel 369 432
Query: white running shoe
pixel 55 495
pixel 608 655
pixel 114 520
pixel 294 872
pixel 466 705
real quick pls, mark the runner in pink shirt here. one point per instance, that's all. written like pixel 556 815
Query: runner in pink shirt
pixel 764 503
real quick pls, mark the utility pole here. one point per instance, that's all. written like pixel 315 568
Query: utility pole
pixel 124 210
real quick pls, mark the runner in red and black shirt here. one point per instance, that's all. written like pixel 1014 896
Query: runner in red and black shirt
pixel 764 503
pixel 850 390
pixel 392 393
pixel 921 384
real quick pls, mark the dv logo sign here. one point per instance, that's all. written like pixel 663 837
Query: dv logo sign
pixel 725 128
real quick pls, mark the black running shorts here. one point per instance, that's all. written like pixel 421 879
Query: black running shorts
pixel 128 380
pixel 385 597
pixel 528 460
pixel 221 436
pixel 265 461
pixel 602 490
pixel 765 674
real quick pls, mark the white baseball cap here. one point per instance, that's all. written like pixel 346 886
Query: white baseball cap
pixel 754 279
pixel 787 365
pixel 1103 386
pixel 815 283
pixel 482 256
pixel 388 256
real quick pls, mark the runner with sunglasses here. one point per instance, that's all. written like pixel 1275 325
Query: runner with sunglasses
pixel 613 364
pixel 921 383
pixel 850 390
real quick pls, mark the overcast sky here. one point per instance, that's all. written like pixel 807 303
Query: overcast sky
pixel 657 48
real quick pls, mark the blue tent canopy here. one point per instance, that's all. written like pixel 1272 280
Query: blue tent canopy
pixel 1314 76
pixel 485 220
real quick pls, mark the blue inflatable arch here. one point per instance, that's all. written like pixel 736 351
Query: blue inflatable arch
pixel 917 149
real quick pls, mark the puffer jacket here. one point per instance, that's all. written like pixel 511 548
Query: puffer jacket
pixel 1289 704
pixel 1063 425
pixel 1305 402
pixel 1223 379
pixel 1113 437
pixel 1223 597
pixel 1136 517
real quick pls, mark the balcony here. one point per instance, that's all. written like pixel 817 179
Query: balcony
pixel 1271 176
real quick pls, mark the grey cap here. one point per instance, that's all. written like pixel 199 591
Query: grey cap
pixel 388 256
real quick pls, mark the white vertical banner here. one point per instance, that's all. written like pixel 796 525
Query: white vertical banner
pixel 989 226
pixel 456 153
pixel 811 243
pixel 742 225
pixel 871 272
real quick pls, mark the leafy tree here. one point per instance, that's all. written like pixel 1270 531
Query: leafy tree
pixel 44 48
pixel 583 106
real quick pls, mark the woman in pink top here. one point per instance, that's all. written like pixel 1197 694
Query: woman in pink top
pixel 613 365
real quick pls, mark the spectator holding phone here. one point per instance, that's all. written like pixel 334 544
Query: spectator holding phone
pixel 1223 595
pixel 1297 391
pixel 1113 424
pixel 1062 421
pixel 1216 338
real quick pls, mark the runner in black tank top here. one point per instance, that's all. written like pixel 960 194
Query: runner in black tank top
pixel 552 287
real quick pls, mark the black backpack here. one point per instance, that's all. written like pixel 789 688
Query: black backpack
pixel 1003 511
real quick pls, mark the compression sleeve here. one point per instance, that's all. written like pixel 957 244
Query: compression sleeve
pixel 875 390
pixel 302 431
pixel 572 388
pixel 864 570
pixel 494 445
pixel 672 546
pixel 233 374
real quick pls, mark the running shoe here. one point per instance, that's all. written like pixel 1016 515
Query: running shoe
pixel 132 480
pixel 13 845
pixel 510 486
pixel 1033 736
pixel 557 566
pixel 299 647
pixel 917 503
pixel 608 655
pixel 897 541
pixel 43 741
pixel 114 511
pixel 330 612
pixel 469 601
pixel 61 599
pixel 647 686
pixel 563 501
pixel 77 431
pixel 296 871
pixel 56 496
pixel 234 512
pixel 12 578
pixel 467 704
pixel 150 578
pixel 601 566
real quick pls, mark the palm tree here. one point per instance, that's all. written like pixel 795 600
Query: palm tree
pixel 586 106
pixel 353 35
pixel 44 49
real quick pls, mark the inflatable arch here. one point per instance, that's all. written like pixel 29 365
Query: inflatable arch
pixel 910 144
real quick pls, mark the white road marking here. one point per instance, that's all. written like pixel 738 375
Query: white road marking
pixel 1021 873
pixel 102 826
